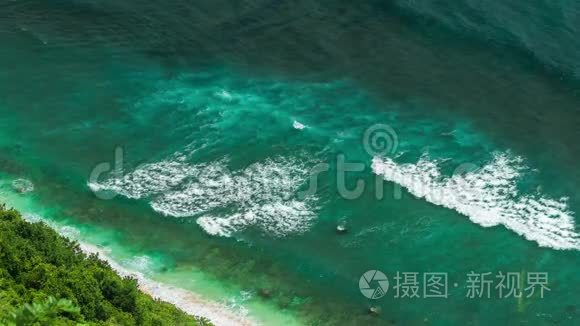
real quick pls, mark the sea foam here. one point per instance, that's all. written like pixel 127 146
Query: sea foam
pixel 148 180
pixel 489 196
pixel 223 201
pixel 297 125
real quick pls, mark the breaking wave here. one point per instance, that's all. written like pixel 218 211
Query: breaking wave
pixel 489 196
pixel 262 195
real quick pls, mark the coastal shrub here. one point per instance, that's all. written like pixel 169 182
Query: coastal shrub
pixel 45 279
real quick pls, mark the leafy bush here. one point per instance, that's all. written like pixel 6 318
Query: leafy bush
pixel 49 312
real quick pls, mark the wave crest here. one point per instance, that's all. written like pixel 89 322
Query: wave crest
pixel 489 196
pixel 261 195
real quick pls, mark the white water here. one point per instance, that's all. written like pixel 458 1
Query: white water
pixel 489 196
pixel 297 125
pixel 261 195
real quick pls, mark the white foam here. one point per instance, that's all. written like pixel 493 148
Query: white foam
pixel 142 263
pixel 32 218
pixel 64 230
pixel 23 185
pixel 259 195
pixel 149 179
pixel 489 196
pixel 297 125
pixel 67 231
pixel 237 303
pixel 223 94
pixel 278 219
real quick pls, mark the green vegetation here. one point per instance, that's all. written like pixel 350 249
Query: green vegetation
pixel 45 279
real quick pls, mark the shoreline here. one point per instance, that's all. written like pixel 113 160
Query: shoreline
pixel 216 309
pixel 187 301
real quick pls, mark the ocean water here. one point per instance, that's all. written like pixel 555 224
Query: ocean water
pixel 203 146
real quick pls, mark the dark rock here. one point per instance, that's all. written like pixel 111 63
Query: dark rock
pixel 265 293
pixel 375 311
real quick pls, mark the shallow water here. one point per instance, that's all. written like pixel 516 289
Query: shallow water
pixel 184 140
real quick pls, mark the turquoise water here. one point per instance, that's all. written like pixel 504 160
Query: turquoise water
pixel 184 139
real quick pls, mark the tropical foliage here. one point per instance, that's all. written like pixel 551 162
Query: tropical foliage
pixel 45 279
